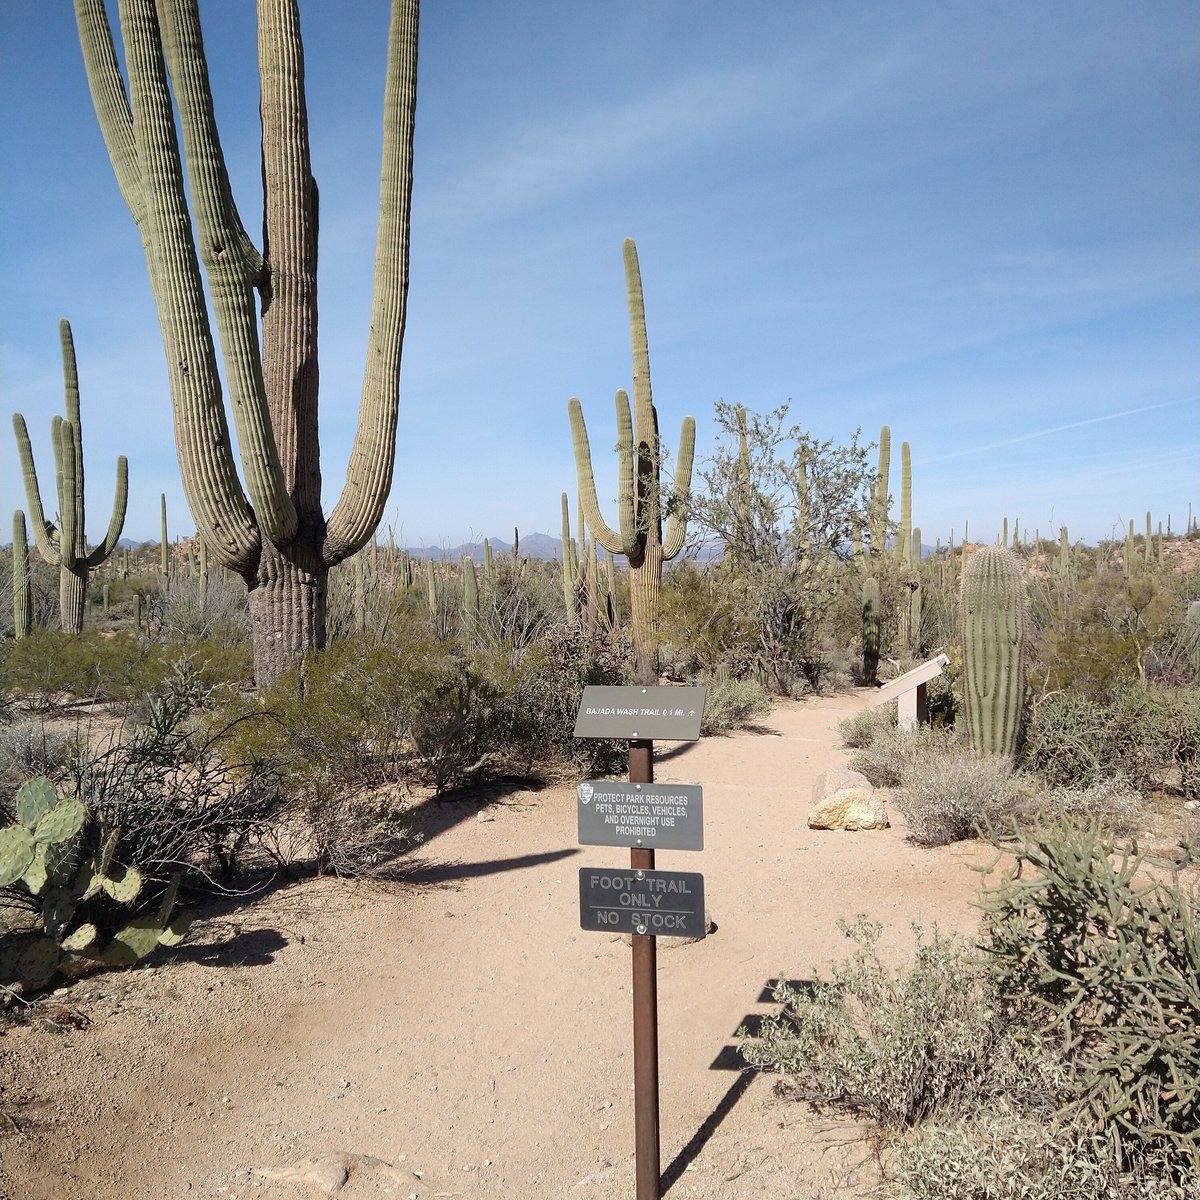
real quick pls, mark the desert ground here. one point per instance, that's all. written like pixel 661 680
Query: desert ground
pixel 454 1033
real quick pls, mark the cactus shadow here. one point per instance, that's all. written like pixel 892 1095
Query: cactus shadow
pixel 439 814
pixel 728 1059
pixel 446 873
pixel 248 948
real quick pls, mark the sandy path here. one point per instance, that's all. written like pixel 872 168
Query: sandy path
pixel 462 1028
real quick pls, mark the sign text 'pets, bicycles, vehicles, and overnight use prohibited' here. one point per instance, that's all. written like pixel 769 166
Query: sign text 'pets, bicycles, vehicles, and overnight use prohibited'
pixel 666 816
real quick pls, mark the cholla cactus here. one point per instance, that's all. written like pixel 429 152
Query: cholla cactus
pixel 65 545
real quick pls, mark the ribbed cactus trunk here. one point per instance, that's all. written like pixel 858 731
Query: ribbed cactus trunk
pixel 273 531
pixel 993 616
pixel 879 494
pixel 640 501
pixel 22 590
pixel 870 629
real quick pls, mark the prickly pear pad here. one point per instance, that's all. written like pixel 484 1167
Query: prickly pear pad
pixel 35 798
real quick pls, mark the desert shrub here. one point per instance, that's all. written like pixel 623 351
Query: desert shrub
pixel 1014 1155
pixel 1113 801
pixel 860 729
pixel 31 747
pixel 1098 955
pixel 1143 734
pixel 546 688
pixel 703 626
pixel 950 796
pixel 895 1046
pixel 50 669
pixel 733 704
pixel 177 805
pixel 889 754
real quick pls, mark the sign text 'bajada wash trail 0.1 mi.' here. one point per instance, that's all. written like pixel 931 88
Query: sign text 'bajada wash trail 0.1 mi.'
pixel 668 714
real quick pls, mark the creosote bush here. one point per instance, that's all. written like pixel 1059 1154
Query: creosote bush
pixel 895 1046
pixel 733 704
pixel 950 796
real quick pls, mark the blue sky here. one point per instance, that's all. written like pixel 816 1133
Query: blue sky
pixel 978 223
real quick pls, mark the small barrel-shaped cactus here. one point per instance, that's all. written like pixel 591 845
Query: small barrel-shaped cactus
pixel 993 617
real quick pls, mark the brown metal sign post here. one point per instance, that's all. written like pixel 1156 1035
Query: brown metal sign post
pixel 642 713
pixel 645 1013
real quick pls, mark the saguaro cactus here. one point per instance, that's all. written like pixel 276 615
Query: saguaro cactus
pixel 22 591
pixel 870 628
pixel 641 504
pixel 904 534
pixel 273 532
pixel 992 613
pixel 879 493
pixel 64 545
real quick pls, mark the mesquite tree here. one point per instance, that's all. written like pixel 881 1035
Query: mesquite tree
pixel 273 532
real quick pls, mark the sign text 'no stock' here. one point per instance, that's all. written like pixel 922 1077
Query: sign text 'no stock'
pixel 672 714
pixel 655 903
pixel 654 816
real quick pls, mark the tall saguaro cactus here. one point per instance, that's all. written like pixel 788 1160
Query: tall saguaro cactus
pixel 879 494
pixel 273 531
pixel 65 545
pixel 641 504
pixel 992 616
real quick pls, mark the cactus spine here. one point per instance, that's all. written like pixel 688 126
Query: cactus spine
pixel 65 545
pixel 992 615
pixel 640 501
pixel 273 532
pixel 22 591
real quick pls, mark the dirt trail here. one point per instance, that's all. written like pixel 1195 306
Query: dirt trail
pixel 462 1029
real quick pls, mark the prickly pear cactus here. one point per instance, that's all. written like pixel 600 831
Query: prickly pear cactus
pixel 992 622
pixel 40 854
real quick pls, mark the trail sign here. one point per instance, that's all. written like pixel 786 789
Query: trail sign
pixel 671 714
pixel 655 816
pixel 657 903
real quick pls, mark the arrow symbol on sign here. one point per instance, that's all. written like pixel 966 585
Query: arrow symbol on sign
pixel 692 713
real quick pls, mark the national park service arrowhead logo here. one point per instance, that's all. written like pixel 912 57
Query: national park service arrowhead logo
pixel 585 793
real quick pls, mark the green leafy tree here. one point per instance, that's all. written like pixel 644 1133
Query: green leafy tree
pixel 785 507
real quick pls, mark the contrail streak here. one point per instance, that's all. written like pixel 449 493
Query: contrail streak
pixel 1040 433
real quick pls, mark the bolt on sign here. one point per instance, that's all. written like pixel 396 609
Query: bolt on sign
pixel 654 816
pixel 654 903
pixel 670 714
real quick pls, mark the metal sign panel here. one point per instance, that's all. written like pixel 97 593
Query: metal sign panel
pixel 653 816
pixel 671 714
pixel 659 903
